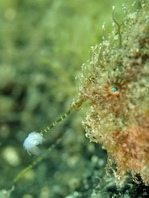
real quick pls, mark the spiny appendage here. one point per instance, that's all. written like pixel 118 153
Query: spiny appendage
pixel 118 28
pixel 74 107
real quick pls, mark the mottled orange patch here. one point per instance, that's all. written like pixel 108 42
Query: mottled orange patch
pixel 132 150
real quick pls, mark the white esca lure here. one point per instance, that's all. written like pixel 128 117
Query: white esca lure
pixel 35 138
pixel 32 141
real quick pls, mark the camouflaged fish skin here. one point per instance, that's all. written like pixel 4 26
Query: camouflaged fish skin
pixel 116 81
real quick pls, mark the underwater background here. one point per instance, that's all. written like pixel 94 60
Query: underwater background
pixel 42 47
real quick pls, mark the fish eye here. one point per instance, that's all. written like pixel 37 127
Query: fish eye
pixel 114 90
